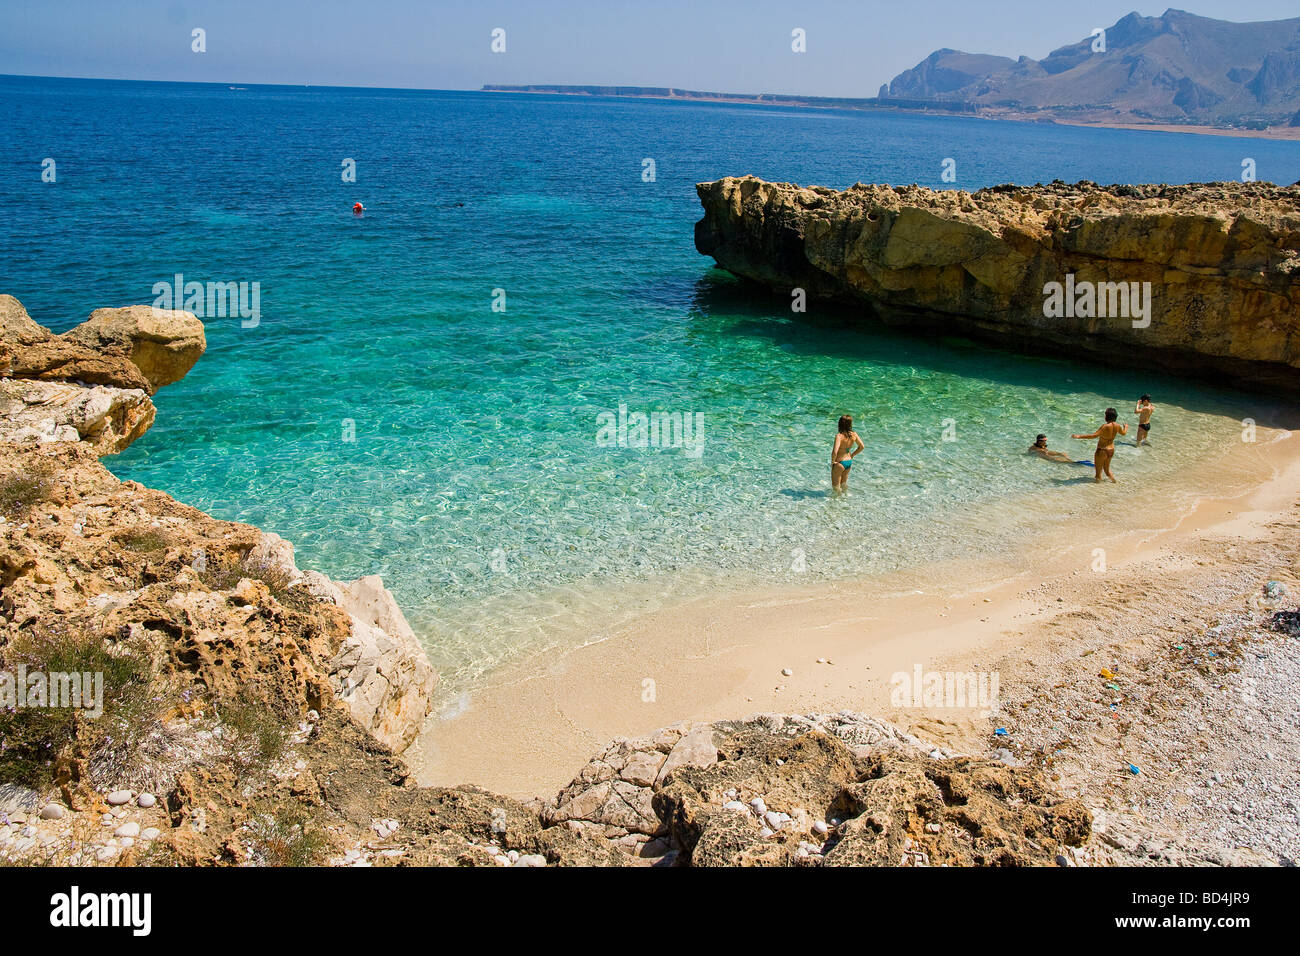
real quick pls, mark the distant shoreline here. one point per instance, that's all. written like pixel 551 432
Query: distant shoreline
pixel 885 105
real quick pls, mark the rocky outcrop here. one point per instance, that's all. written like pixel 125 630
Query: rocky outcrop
pixel 106 418
pixel 91 384
pixel 821 790
pixel 141 564
pixel 163 344
pixel 1219 263
pixel 136 347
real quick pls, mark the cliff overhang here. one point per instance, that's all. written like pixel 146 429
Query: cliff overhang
pixel 1198 279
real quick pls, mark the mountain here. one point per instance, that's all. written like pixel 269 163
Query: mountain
pixel 1177 68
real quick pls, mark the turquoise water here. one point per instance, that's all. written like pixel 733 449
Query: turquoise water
pixel 383 417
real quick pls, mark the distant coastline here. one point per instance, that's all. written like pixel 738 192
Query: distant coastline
pixel 893 104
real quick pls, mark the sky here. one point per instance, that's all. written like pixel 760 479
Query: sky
pixel 852 46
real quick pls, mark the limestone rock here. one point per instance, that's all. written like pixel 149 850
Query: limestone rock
pixel 380 671
pixel 164 344
pixel 1222 260
pixel 16 326
pixel 107 418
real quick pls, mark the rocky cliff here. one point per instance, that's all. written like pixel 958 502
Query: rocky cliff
pixel 1197 279
pixel 94 555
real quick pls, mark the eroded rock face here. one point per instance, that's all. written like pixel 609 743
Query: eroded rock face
pixel 105 417
pixel 1221 259
pixel 380 670
pixel 169 563
pixel 132 348
pixel 164 344
pixel 93 383
pixel 823 789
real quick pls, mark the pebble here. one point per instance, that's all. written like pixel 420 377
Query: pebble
pixel 146 800
pixel 530 859
pixel 772 819
pixel 118 797
pixel 758 805
pixel 765 833
pixel 736 806
pixel 150 833
pixel 786 672
pixel 820 828
pixel 52 812
pixel 131 829
pixel 933 828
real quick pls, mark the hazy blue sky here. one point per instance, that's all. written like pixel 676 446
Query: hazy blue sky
pixel 853 45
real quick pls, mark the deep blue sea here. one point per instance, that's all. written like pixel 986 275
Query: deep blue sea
pixel 387 419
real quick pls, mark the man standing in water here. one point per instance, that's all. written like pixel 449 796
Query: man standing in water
pixel 1143 412
pixel 847 444
pixel 1105 436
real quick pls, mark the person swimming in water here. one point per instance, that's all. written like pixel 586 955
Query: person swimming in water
pixel 1105 435
pixel 1039 448
pixel 842 453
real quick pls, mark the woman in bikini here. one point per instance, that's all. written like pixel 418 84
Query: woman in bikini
pixel 847 444
pixel 1105 436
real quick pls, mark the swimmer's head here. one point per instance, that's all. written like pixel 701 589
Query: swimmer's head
pixel 1041 441
pixel 1111 414
pixel 1145 398
pixel 846 424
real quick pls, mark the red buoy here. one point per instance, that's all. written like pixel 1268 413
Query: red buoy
pixel 358 209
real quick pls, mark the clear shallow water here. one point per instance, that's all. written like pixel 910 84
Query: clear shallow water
pixel 476 484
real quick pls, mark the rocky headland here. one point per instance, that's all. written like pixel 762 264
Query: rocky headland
pixel 255 713
pixel 1214 266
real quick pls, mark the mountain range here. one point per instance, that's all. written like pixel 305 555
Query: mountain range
pixel 1177 68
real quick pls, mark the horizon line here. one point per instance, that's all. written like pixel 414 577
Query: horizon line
pixel 484 88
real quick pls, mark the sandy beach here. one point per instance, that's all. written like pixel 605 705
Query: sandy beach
pixel 533 722
pixel 1283 133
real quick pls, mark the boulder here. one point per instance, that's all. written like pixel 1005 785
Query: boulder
pixel 163 344
pixel 381 671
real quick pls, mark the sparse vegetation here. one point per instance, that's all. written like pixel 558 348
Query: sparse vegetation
pixel 144 540
pixel 34 739
pixel 261 731
pixel 286 839
pixel 276 579
pixel 18 491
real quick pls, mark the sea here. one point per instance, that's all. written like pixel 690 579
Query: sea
pixel 445 389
